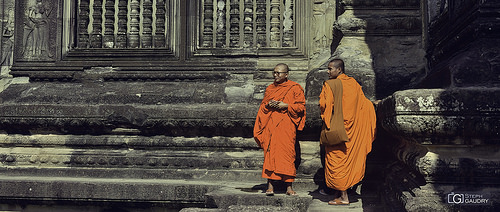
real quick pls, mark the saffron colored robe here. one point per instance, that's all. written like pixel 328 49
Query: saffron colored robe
pixel 275 130
pixel 345 163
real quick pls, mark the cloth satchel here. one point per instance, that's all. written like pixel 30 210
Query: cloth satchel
pixel 336 134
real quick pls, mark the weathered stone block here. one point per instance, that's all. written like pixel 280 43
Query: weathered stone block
pixel 443 116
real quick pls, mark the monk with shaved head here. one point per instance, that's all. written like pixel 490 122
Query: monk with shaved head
pixel 281 113
pixel 345 161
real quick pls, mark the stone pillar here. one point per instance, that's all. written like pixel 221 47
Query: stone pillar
pixel 380 44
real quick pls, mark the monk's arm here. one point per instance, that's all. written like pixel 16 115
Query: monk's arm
pixel 297 107
pixel 325 99
pixel 322 98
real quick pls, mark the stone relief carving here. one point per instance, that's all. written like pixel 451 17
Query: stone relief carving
pixel 288 24
pixel 221 24
pixel 7 40
pixel 323 18
pixel 122 24
pixel 249 24
pixel 36 30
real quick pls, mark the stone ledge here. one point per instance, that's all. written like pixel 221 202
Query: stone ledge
pixel 443 116
pixel 219 143
pixel 140 173
pixel 148 108
pixel 103 189
pixel 162 157
pixel 461 165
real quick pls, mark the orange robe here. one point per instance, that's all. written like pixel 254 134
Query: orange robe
pixel 345 163
pixel 275 130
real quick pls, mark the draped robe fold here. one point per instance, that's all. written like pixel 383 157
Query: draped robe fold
pixel 275 130
pixel 345 163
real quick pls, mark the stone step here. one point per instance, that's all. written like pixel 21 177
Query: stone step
pixel 209 195
pixel 87 190
pixel 249 199
pixel 138 173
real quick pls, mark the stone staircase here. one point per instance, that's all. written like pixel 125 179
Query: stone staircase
pixel 142 146
pixel 157 172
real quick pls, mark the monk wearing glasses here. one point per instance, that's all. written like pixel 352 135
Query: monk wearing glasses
pixel 281 113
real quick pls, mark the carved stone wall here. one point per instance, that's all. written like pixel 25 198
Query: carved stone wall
pixel 446 128
pixel 147 90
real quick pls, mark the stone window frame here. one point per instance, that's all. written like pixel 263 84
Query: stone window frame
pixel 192 26
pixel 71 52
pixel 301 28
pixel 184 31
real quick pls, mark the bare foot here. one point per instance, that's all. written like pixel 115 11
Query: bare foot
pixel 270 188
pixel 289 190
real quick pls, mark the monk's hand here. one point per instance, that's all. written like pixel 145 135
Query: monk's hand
pixel 282 105
pixel 376 102
pixel 272 103
pixel 276 104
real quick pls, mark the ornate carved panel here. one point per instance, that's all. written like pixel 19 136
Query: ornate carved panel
pixel 247 26
pixel 123 24
pixel 7 35
pixel 125 33
pixel 36 20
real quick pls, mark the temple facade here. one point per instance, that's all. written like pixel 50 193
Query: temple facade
pixel 152 103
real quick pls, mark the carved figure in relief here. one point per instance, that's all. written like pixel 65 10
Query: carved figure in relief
pixel 36 34
pixel 323 18
pixel 220 16
pixel 287 17
pixel 7 40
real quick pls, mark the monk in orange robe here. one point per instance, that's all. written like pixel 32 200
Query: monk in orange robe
pixel 281 113
pixel 345 162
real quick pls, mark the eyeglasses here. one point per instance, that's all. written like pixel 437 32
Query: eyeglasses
pixel 277 72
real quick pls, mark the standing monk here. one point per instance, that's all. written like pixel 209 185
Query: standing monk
pixel 281 113
pixel 345 162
